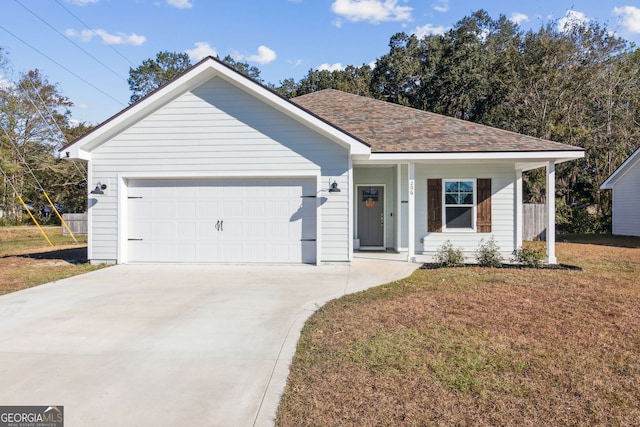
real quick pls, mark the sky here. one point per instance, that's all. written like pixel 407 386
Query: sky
pixel 87 47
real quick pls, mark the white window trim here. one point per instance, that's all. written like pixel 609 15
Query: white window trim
pixel 474 207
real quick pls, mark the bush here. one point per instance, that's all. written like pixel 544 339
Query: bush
pixel 488 254
pixel 579 220
pixel 447 256
pixel 531 257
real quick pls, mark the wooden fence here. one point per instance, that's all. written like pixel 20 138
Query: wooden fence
pixel 77 222
pixel 534 222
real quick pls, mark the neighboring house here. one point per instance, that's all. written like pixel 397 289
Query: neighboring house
pixel 625 184
pixel 214 167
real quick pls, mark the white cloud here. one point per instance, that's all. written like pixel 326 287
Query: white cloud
pixel 296 63
pixel 571 19
pixel 429 29
pixel 82 2
pixel 202 49
pixel 441 6
pixel 180 4
pixel 629 17
pixel 331 67
pixel 518 18
pixel 264 56
pixel 373 64
pixel 132 39
pixel 373 11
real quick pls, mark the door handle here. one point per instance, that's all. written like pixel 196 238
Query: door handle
pixel 218 225
pixel 221 222
pixel 382 219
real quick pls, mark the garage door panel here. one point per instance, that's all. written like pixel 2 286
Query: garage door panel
pixel 206 253
pixel 256 220
pixel 206 231
pixel 187 231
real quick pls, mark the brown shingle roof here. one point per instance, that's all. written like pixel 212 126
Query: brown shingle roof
pixel 392 128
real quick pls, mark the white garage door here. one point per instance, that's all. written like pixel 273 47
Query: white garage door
pixel 239 220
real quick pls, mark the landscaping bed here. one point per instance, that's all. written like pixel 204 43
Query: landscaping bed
pixel 435 266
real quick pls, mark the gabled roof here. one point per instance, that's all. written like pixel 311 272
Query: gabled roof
pixel 393 128
pixel 372 130
pixel 195 76
pixel 625 167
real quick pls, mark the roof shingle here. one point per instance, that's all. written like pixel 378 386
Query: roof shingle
pixel 393 128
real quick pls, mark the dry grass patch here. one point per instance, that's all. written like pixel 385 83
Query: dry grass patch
pixel 478 346
pixel 27 260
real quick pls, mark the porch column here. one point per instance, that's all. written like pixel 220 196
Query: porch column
pixel 519 225
pixel 398 206
pixel 551 213
pixel 411 225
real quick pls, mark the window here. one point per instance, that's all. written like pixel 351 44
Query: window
pixel 459 204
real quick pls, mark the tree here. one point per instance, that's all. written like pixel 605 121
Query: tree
pixel 244 68
pixel 398 74
pixel 578 85
pixel 356 80
pixel 166 66
pixel 33 113
pixel 154 73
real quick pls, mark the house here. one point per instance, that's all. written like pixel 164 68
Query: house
pixel 214 167
pixel 625 184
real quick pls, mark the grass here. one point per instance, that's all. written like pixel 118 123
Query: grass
pixel 481 347
pixel 27 260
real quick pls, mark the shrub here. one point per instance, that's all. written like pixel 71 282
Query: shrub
pixel 488 254
pixel 447 256
pixel 531 257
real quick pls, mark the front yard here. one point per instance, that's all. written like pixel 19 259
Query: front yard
pixel 475 346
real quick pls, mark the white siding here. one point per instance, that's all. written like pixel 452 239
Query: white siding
pixel 219 129
pixel 626 203
pixel 502 208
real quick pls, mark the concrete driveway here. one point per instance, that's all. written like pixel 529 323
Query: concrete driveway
pixel 165 345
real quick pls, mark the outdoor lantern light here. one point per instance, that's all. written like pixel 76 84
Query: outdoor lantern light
pixel 334 188
pixel 99 188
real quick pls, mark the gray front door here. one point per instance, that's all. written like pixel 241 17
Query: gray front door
pixel 371 216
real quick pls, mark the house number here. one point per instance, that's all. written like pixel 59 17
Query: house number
pixel 411 187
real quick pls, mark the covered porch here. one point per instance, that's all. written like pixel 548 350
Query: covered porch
pixel 393 206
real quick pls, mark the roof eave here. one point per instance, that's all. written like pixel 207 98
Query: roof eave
pixel 460 157
pixel 621 171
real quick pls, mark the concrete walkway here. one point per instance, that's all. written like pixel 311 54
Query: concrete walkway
pixel 167 344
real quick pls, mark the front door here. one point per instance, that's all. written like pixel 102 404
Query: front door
pixel 371 216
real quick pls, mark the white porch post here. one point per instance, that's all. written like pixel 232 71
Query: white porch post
pixel 519 225
pixel 551 213
pixel 411 225
pixel 398 206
